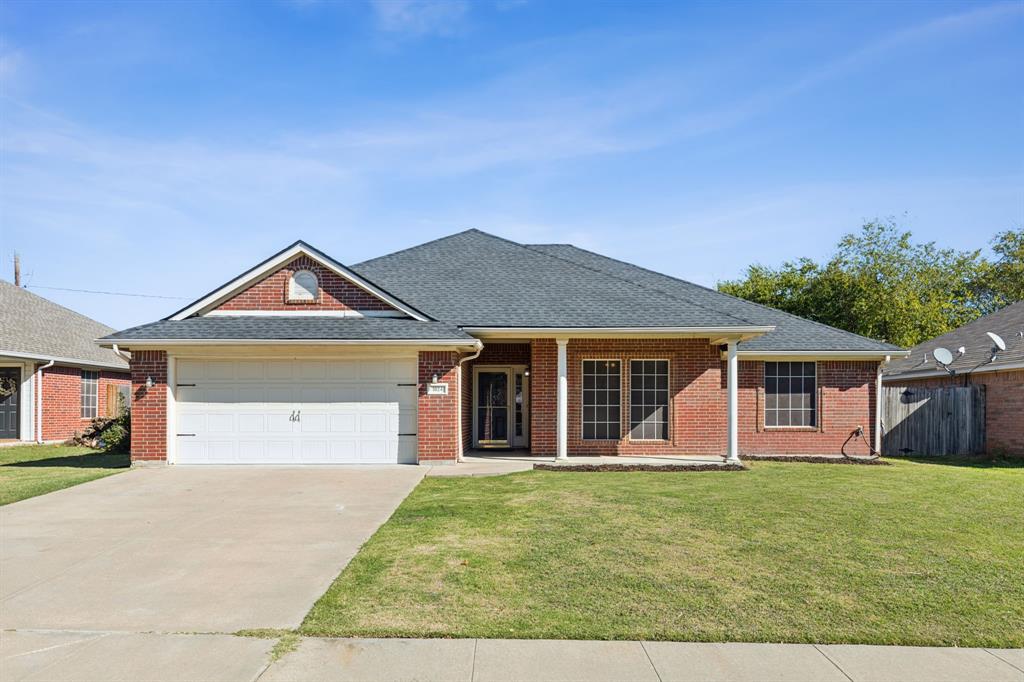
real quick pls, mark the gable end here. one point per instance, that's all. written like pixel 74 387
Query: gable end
pixel 334 294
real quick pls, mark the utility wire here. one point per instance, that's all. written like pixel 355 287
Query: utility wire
pixel 106 293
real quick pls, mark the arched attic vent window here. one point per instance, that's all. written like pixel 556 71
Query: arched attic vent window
pixel 303 286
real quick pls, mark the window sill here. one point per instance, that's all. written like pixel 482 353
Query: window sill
pixel 296 301
pixel 792 428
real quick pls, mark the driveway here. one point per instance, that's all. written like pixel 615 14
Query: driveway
pixel 189 549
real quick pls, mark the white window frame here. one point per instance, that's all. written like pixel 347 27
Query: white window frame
pixel 618 436
pixel 296 293
pixel 814 398
pixel 95 394
pixel 668 402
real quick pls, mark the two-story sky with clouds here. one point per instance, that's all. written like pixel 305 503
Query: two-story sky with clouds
pixel 163 148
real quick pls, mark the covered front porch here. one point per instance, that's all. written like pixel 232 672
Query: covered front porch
pixel 658 396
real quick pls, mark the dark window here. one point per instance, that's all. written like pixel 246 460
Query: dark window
pixel 648 399
pixel 602 398
pixel 90 393
pixel 789 391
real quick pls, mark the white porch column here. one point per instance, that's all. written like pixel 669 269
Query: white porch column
pixel 732 454
pixel 562 451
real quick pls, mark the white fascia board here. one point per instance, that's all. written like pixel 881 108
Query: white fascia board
pixel 164 343
pixel 63 361
pixel 821 354
pixel 306 313
pixel 619 332
pixel 932 373
pixel 276 262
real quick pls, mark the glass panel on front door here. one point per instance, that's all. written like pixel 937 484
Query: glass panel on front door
pixel 492 408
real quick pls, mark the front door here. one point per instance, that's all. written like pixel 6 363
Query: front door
pixel 10 402
pixel 501 407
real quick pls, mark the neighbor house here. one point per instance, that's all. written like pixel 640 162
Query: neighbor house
pixel 976 359
pixel 46 345
pixel 472 342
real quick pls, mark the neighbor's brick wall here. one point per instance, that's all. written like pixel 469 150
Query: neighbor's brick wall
pixel 149 405
pixel 1004 406
pixel 697 404
pixel 62 400
pixel 437 432
pixel 493 354
pixel 336 292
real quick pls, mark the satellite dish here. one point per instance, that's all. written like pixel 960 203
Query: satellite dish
pixel 997 340
pixel 942 356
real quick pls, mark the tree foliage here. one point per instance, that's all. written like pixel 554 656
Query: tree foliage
pixel 881 284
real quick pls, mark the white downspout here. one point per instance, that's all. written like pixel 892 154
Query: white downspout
pixel 39 400
pixel 458 405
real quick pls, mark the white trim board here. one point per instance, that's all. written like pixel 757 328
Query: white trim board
pixel 61 361
pixel 820 354
pixel 162 343
pixel 257 273
pixel 306 313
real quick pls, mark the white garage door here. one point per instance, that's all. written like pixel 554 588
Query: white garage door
pixel 296 411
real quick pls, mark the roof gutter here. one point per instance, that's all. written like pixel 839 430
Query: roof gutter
pixel 739 332
pixel 162 343
pixel 62 360
pixel 930 374
pixel 826 354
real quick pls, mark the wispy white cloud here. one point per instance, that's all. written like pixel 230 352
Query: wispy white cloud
pixel 421 17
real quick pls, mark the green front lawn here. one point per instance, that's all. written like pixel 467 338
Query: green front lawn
pixel 30 470
pixel 914 553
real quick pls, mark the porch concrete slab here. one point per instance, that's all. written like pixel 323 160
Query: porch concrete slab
pixel 130 657
pixel 735 662
pixel 494 467
pixel 187 549
pixel 396 660
pixel 919 664
pixel 514 660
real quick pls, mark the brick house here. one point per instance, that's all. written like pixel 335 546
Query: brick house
pixel 54 379
pixel 473 342
pixel 1001 372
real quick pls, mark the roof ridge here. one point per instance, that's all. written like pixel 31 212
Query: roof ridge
pixel 24 289
pixel 722 293
pixel 416 246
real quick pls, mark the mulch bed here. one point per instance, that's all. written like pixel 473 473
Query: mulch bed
pixel 639 467
pixel 813 459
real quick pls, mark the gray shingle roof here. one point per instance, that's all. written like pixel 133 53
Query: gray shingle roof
pixel 473 279
pixel 791 333
pixel 1007 323
pixel 33 326
pixel 242 328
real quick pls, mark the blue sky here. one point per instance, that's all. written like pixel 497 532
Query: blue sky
pixel 164 148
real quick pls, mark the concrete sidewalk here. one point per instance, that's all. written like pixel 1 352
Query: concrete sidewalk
pixel 496 659
pixel 138 657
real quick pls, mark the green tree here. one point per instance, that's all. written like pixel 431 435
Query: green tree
pixel 879 284
pixel 1005 277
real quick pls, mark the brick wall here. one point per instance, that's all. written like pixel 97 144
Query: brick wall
pixel 493 354
pixel 845 400
pixel 437 422
pixel 1004 406
pixel 336 293
pixel 149 405
pixel 62 400
pixel 697 403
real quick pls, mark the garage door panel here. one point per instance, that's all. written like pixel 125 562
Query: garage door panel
pixel 296 411
pixel 252 423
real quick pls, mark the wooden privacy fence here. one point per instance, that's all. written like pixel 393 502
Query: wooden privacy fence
pixel 946 420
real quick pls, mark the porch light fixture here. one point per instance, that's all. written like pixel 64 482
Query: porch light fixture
pixel 526 372
pixel 149 382
pixel 435 379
